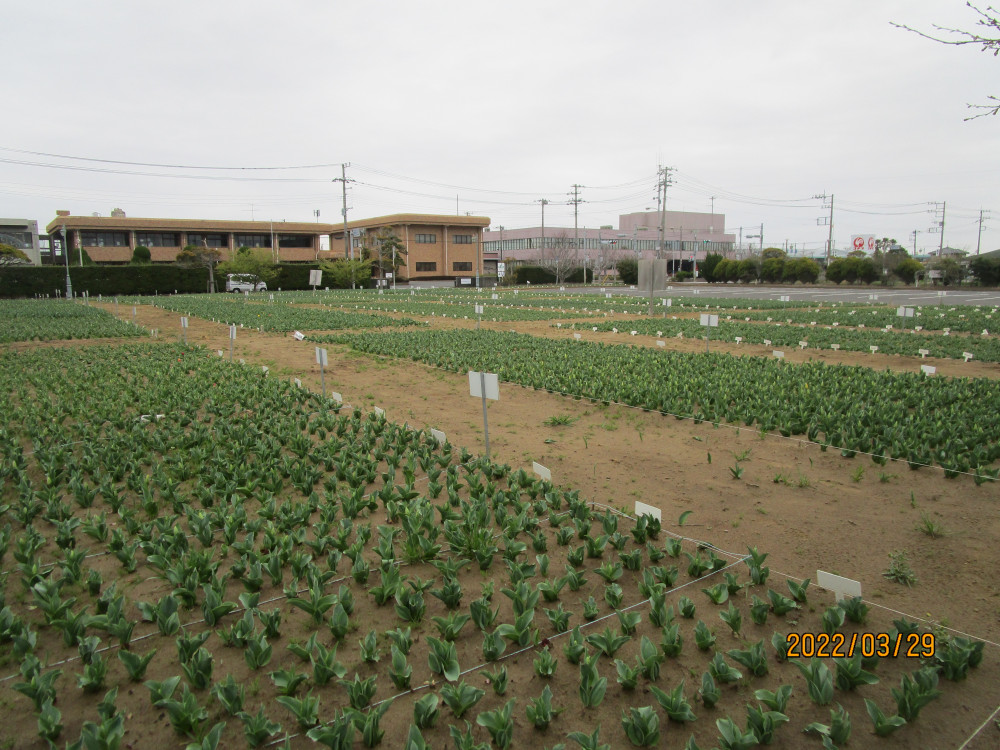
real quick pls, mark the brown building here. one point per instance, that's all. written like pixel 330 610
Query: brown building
pixel 437 247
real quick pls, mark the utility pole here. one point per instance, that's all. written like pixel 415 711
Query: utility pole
pixel 939 225
pixel 914 234
pixel 664 183
pixel 979 239
pixel 544 202
pixel 348 246
pixel 828 220
pixel 944 206
pixel 576 201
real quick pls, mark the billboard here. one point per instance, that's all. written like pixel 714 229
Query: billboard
pixel 863 242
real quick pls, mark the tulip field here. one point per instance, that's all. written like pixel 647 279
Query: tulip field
pixel 200 554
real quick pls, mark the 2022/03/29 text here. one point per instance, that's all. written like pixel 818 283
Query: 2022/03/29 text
pixel 839 645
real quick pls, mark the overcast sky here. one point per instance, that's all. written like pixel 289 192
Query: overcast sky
pixel 761 104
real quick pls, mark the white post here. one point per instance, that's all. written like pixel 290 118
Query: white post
pixel 486 424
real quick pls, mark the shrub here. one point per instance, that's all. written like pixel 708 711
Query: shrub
pixel 141 256
pixel 707 267
pixel 908 269
pixel 773 269
pixel 986 270
pixel 628 270
pixel 576 276
pixel 533 274
pixel 747 270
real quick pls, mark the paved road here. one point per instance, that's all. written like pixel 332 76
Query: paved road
pixel 902 296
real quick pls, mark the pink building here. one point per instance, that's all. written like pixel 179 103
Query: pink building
pixel 686 236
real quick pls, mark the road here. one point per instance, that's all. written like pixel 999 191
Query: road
pixel 886 296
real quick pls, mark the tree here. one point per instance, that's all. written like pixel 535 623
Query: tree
pixel 256 262
pixel 345 273
pixel 772 269
pixel 12 256
pixel 773 252
pixel 988 40
pixel 986 270
pixel 389 251
pixel 907 269
pixel 952 272
pixel 559 256
pixel 193 256
pixel 748 270
pixel 707 267
pixel 805 270
pixel 141 256
pixel 628 270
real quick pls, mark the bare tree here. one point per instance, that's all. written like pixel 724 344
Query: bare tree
pixel 193 256
pixel 988 39
pixel 559 256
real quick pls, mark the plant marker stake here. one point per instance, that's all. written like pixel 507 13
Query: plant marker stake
pixel 133 313
pixel 232 338
pixel 477 381
pixel 321 360
pixel 841 587
pixel 486 424
pixel 184 329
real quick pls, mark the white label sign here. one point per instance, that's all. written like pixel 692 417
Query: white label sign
pixel 298 383
pixel 321 356
pixel 476 385
pixel 336 397
pixel 641 509
pixel 928 369
pixel 232 333
pixel 439 436
pixel 541 471
pixel 710 320
pixel 184 322
pixel 841 587
pixel 315 277
pixel 378 411
pixel 778 354
pixel 299 335
pixel 904 312
pixel 479 309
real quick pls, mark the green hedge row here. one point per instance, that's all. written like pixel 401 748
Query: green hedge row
pixel 128 280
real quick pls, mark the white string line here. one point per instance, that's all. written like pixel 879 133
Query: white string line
pixel 904 614
pixel 532 647
pixel 972 736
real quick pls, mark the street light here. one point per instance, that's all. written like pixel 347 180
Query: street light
pixel 65 249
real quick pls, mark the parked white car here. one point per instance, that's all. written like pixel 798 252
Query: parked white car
pixel 241 282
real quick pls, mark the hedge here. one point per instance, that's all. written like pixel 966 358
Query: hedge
pixel 139 279
pixel 534 275
pixel 107 280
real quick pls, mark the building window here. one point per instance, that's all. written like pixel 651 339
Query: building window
pixel 462 265
pixel 252 240
pixel 426 239
pixel 424 266
pixel 295 240
pixel 156 239
pixel 104 239
pixel 211 240
pixel 463 239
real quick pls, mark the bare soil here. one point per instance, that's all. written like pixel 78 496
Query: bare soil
pixel 807 508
